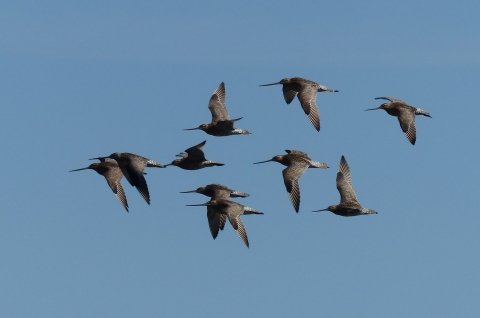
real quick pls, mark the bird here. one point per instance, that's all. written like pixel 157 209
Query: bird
pixel 218 191
pixel 215 191
pixel 132 167
pixel 405 114
pixel 221 124
pixel 307 93
pixel 297 163
pixel 233 212
pixel 112 173
pixel 194 159
pixel 349 205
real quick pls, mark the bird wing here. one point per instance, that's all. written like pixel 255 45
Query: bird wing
pixel 291 174
pixel 221 194
pixel 344 183
pixel 237 224
pixel 288 93
pixel 297 152
pixel 307 97
pixel 113 177
pixel 225 125
pixel 195 153
pixel 217 104
pixel 216 221
pixel 406 118
pixel 393 100
pixel 134 175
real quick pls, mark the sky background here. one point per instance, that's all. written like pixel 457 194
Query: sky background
pixel 85 79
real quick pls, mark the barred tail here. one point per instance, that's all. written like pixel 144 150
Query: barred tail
pixel 236 194
pixel 419 111
pixel 247 210
pixel 151 163
pixel 316 164
pixel 238 131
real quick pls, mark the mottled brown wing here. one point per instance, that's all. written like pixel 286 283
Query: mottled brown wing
pixel 221 194
pixel 217 104
pixel 291 174
pixel 225 125
pixel 393 100
pixel 195 153
pixel 134 169
pixel 216 221
pixel 288 93
pixel 307 97
pixel 406 118
pixel 237 224
pixel 344 183
pixel 113 177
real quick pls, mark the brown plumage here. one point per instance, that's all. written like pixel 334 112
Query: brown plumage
pixel 405 114
pixel 307 94
pixel 112 173
pixel 349 205
pixel 132 167
pixel 216 221
pixel 297 163
pixel 233 212
pixel 194 159
pixel 221 124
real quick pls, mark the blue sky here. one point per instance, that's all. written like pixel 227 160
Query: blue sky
pixel 82 80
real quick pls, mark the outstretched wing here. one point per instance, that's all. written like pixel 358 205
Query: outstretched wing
pixel 393 100
pixel 217 104
pixel 113 177
pixel 307 97
pixel 291 174
pixel 239 228
pixel 216 221
pixel 406 118
pixel 344 183
pixel 288 93
pixel 195 153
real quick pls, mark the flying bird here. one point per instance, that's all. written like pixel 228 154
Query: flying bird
pixel 112 173
pixel 218 191
pixel 132 167
pixel 307 94
pixel 215 191
pixel 349 205
pixel 297 163
pixel 221 124
pixel 233 212
pixel 405 114
pixel 194 159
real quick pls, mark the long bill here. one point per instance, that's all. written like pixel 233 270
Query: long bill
pixel 373 108
pixel 193 191
pixel 321 210
pixel 271 84
pixel 203 204
pixel 80 169
pixel 102 159
pixel 262 161
pixel 192 128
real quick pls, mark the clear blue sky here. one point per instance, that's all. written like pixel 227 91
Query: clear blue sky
pixel 87 79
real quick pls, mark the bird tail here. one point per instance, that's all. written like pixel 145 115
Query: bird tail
pixel 236 194
pixel 238 131
pixel 316 164
pixel 247 210
pixel 367 211
pixel 151 163
pixel 419 111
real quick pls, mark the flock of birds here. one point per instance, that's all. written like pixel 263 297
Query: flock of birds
pixel 219 207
